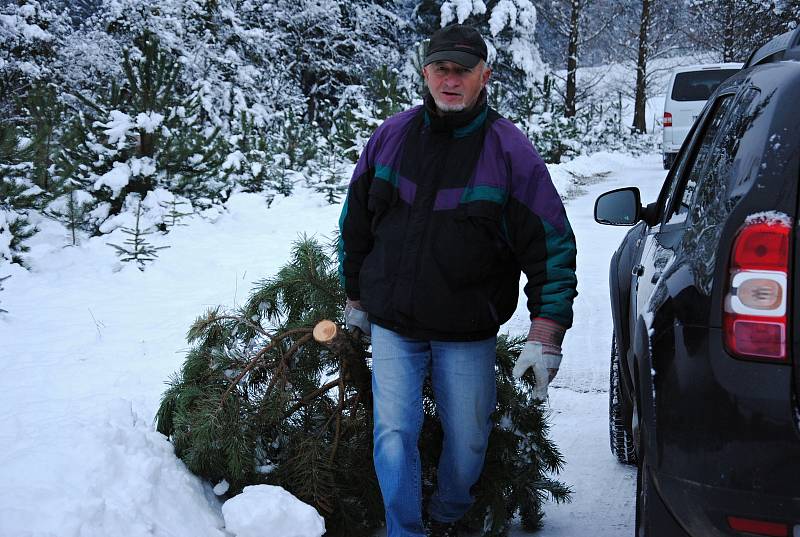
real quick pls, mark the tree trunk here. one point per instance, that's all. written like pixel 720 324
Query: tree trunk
pixel 639 119
pixel 728 33
pixel 354 365
pixel 570 106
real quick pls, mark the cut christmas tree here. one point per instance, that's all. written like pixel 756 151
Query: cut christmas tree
pixel 278 393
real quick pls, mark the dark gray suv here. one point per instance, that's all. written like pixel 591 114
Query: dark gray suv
pixel 705 294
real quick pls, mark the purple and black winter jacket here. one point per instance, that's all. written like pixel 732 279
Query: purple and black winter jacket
pixel 441 215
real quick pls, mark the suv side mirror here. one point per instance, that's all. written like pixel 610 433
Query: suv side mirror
pixel 621 207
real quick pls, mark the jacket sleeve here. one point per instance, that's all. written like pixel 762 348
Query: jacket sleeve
pixel 355 234
pixel 541 238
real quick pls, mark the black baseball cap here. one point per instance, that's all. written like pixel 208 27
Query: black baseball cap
pixel 456 43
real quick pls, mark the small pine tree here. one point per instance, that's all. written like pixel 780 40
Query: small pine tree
pixel 279 175
pixel 137 249
pixel 18 196
pixel 73 209
pixel 297 139
pixel 173 214
pixel 44 118
pixel 540 113
pixel 331 178
pixel 354 121
pixel 259 401
pixel 386 93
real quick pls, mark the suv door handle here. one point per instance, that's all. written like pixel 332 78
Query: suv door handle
pixel 638 270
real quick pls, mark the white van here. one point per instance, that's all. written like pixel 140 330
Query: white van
pixel 688 90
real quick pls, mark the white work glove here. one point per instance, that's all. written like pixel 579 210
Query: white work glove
pixel 356 317
pixel 545 366
pixel 542 354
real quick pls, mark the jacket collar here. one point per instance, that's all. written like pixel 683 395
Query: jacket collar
pixel 458 124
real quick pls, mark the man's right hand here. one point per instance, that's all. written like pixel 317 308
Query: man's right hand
pixel 356 317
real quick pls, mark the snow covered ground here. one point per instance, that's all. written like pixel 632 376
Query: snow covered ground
pixel 88 343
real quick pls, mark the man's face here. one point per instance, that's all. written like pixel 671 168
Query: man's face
pixel 454 87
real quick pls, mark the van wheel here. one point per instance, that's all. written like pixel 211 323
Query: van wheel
pixel 619 412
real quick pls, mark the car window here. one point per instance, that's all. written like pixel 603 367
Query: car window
pixel 699 85
pixel 685 180
pixel 707 195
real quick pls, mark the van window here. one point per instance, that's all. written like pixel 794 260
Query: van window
pixel 699 85
pixel 686 183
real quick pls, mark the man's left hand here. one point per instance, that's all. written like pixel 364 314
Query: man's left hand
pixel 543 361
pixel 542 354
pixel 356 317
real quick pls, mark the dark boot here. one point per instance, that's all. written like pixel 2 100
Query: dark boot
pixel 442 529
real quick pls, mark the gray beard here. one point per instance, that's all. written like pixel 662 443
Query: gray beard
pixel 448 107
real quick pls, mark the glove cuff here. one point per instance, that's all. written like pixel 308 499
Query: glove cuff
pixel 355 304
pixel 548 333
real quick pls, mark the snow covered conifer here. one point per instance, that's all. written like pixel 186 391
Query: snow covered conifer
pixel 29 38
pixel 387 93
pixel 541 114
pixel 44 116
pixel 509 30
pixel 73 208
pixel 731 29
pixel 331 174
pixel 146 132
pixel 17 195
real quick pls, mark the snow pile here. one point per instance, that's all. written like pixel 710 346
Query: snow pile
pixel 263 507
pixel 80 472
pixel 588 169
pixel 86 348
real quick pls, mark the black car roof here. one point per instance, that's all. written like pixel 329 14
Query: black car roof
pixel 783 47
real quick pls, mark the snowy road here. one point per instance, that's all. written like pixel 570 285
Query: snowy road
pixel 86 348
pixel 604 491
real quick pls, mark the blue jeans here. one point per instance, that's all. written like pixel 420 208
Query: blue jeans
pixel 463 378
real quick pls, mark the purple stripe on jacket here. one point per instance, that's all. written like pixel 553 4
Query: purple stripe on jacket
pixel 530 180
pixel 406 189
pixel 447 198
pixel 385 144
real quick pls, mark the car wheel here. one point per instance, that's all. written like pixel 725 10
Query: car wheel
pixel 619 412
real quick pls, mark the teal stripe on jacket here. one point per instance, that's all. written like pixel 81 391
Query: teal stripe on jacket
pixel 557 295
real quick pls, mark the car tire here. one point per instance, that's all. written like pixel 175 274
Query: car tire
pixel 619 412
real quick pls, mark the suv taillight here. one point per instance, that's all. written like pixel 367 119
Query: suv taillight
pixel 755 317
pixel 667 119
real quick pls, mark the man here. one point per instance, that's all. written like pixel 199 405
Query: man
pixel 448 202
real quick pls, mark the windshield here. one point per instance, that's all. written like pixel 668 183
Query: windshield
pixel 699 85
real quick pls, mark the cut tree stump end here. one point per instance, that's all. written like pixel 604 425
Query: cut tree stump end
pixel 325 331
